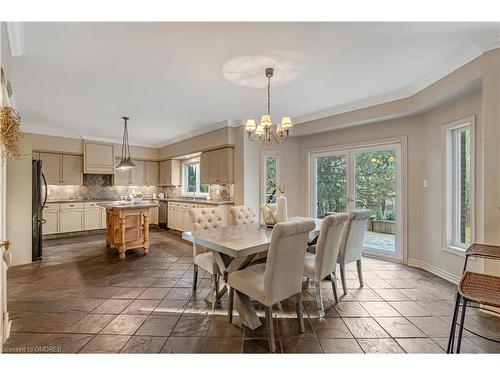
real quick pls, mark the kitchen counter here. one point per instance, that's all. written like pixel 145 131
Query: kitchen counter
pixel 197 200
pixel 125 205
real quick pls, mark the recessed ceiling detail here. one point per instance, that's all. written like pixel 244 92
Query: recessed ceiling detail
pixel 246 71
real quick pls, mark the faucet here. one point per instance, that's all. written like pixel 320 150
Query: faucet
pixel 194 191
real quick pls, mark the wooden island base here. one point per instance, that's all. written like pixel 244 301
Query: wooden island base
pixel 127 227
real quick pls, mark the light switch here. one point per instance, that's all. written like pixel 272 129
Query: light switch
pixel 425 183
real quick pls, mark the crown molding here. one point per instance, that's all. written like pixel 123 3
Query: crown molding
pixel 207 129
pixel 440 71
pixel 15 34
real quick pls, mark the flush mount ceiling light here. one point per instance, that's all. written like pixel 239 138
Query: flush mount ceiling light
pixel 125 160
pixel 264 132
pixel 246 71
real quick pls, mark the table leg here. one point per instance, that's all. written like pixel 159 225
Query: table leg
pixel 246 312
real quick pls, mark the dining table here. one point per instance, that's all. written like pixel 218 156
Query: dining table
pixel 234 248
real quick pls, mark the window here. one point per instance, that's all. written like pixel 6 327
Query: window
pixel 191 178
pixel 459 184
pixel 269 176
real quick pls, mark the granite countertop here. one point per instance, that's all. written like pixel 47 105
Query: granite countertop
pixel 197 200
pixel 127 205
pixel 170 199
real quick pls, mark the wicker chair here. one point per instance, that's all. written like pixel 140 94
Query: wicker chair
pixel 477 288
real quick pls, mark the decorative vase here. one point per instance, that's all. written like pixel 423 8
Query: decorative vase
pixel 282 209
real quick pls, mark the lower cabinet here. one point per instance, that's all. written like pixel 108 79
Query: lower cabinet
pixel 70 217
pixel 79 216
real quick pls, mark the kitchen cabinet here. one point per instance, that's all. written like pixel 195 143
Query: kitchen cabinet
pixel 52 167
pixel 121 178
pixel 51 216
pixel 92 218
pixel 103 218
pixel 137 177
pixel 70 217
pixel 217 166
pixel 98 157
pixel 151 173
pixel 153 215
pixel 62 169
pixel 170 173
pixel 72 170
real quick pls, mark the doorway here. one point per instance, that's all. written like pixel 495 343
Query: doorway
pixel 367 177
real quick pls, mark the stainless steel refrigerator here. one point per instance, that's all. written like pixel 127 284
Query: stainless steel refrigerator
pixel 38 200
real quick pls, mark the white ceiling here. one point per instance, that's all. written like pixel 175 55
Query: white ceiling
pixel 78 79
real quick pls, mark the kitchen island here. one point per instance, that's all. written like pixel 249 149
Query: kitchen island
pixel 127 225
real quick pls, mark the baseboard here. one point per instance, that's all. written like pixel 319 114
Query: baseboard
pixel 434 270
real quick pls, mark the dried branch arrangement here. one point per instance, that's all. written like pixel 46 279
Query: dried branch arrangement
pixel 10 133
pixel 10 125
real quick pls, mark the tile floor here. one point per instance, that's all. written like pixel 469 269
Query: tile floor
pixel 82 299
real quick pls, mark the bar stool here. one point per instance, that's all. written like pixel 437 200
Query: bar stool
pixel 477 288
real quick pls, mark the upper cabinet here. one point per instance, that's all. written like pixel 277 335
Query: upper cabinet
pixel 99 157
pixel 151 173
pixel 137 174
pixel 217 166
pixel 170 173
pixel 62 169
pixel 72 170
pixel 145 173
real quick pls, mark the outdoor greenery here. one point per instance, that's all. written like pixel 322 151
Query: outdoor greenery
pixel 374 183
pixel 270 179
pixel 191 170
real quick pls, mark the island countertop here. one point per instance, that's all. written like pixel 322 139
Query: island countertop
pixel 125 205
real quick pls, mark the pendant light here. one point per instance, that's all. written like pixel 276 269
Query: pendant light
pixel 264 132
pixel 125 160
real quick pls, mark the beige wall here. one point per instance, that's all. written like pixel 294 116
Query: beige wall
pixel 215 138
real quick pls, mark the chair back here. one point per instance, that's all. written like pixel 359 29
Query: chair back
pixel 327 247
pixel 202 219
pixel 351 243
pixel 285 260
pixel 269 213
pixel 242 215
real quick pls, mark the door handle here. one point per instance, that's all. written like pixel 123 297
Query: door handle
pixel 43 221
pixel 5 244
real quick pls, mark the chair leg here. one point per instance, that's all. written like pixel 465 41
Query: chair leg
pixel 462 321
pixel 333 279
pixel 195 277
pixel 270 329
pixel 342 278
pixel 214 291
pixel 319 299
pixel 300 316
pixel 230 307
pixel 360 273
pixel 451 339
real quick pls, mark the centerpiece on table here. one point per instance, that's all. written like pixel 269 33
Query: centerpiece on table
pixel 136 196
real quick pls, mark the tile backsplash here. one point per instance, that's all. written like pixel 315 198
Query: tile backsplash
pixel 97 186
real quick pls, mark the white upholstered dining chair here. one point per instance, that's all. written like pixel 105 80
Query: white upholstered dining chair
pixel 324 262
pixel 351 243
pixel 242 215
pixel 202 219
pixel 269 213
pixel 280 277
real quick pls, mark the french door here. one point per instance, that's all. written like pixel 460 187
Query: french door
pixel 362 178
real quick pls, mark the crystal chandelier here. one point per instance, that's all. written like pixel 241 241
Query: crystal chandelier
pixel 264 132
pixel 125 160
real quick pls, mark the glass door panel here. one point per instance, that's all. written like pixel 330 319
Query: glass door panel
pixel 330 183
pixel 376 187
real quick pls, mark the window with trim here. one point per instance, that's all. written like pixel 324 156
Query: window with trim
pixel 459 185
pixel 191 178
pixel 270 162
